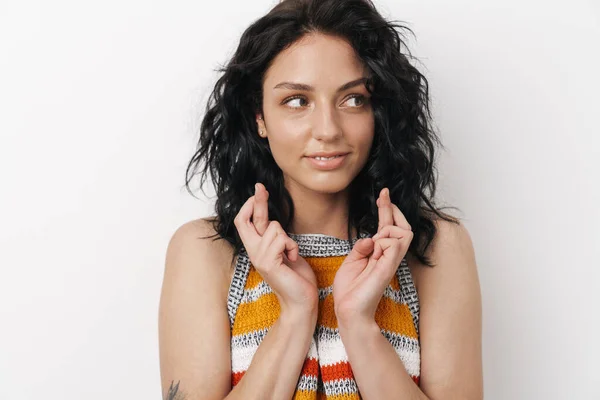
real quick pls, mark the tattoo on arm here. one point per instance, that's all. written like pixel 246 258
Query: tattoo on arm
pixel 174 393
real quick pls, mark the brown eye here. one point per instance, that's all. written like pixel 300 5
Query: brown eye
pixel 292 99
pixel 360 98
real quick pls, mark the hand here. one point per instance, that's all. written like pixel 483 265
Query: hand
pixel 275 255
pixel 365 273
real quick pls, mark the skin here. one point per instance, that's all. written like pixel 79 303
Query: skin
pixel 321 119
pixel 195 348
pixel 450 312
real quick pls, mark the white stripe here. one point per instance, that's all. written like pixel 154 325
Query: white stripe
pixel 241 356
pixel 312 350
pixel 332 351
pixel 411 360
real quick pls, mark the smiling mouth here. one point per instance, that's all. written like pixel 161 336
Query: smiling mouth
pixel 327 158
pixel 327 163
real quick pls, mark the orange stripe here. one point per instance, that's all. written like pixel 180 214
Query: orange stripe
pixel 395 317
pixel 325 268
pixel 304 395
pixel 344 396
pixel 260 314
pixel 326 316
pixel 310 367
pixel 236 377
pixel 341 370
pixel 254 278
pixel 391 316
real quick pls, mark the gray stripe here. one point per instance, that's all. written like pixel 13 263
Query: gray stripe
pixel 307 383
pixel 409 291
pixel 340 386
pixel 237 284
pixel 318 245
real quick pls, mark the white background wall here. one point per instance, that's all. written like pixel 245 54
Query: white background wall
pixel 99 109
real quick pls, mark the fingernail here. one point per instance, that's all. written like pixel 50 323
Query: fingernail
pixel 255 188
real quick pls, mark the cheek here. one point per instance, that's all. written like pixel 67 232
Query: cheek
pixel 287 144
pixel 287 135
pixel 360 134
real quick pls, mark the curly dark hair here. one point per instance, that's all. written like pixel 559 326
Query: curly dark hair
pixel 402 152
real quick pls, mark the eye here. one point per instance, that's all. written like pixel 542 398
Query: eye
pixel 359 97
pixel 296 101
pixel 290 100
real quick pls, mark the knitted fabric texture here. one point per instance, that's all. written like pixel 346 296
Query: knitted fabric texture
pixel 326 373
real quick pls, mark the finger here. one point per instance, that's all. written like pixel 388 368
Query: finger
pixel 392 249
pixel 397 246
pixel 386 216
pixel 291 249
pixel 389 243
pixel 282 244
pixel 244 226
pixel 260 218
pixel 276 247
pixel 377 251
pixel 391 231
pixel 273 230
pixel 381 273
pixel 361 249
pixel 399 218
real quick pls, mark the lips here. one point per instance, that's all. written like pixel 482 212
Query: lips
pixel 325 158
pixel 327 154
pixel 327 164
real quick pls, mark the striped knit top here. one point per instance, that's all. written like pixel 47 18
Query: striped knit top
pixel 326 373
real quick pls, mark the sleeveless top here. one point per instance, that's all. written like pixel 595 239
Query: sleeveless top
pixel 326 373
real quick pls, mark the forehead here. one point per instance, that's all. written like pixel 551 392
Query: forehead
pixel 316 59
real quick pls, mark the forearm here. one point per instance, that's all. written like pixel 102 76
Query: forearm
pixel 277 363
pixel 378 371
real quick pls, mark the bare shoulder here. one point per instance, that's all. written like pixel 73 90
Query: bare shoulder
pixel 194 337
pixel 450 320
pixel 451 241
pixel 196 238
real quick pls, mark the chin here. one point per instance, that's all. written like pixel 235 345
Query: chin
pixel 329 185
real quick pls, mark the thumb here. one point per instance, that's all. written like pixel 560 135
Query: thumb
pixel 362 248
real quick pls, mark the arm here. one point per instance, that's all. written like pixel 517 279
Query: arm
pixel 276 365
pixel 450 331
pixel 194 339
pixel 195 342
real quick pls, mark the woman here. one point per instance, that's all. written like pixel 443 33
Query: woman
pixel 336 275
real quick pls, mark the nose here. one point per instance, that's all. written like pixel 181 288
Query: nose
pixel 326 124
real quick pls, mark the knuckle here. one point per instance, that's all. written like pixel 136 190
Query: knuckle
pixel 275 224
pixel 279 240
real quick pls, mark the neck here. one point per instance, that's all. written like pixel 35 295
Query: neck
pixel 318 212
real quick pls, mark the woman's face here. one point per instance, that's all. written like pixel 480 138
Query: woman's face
pixel 315 101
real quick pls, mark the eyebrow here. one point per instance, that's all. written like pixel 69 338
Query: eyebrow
pixel 308 88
